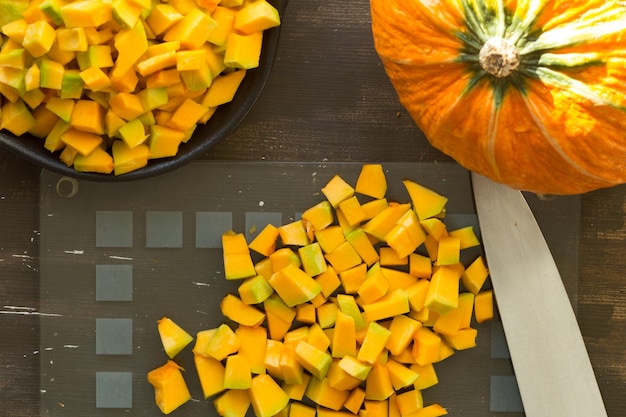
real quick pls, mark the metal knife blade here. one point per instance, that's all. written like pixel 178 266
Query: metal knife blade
pixel 551 363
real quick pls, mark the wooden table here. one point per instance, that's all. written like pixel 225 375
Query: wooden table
pixel 328 99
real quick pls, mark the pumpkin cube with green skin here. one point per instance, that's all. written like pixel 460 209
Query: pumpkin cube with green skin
pixel 443 292
pixel 426 202
pixel 240 312
pixel 237 373
pixel 173 337
pixel 314 360
pixel 255 290
pixel 223 342
pixel 319 216
pixel 256 17
pixel 312 257
pixel 237 260
pixel 374 343
pixel 294 285
pixel 232 403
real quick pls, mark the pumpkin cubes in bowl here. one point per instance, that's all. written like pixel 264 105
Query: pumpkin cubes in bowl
pixel 85 75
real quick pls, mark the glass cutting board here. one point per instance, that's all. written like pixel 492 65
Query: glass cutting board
pixel 116 257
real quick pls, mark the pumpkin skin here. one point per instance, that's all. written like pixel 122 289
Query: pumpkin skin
pixel 531 94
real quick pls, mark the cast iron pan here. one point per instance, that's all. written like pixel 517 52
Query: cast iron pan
pixel 225 119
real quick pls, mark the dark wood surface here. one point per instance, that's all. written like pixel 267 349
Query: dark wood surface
pixel 328 99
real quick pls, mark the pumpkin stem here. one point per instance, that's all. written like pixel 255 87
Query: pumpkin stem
pixel 499 57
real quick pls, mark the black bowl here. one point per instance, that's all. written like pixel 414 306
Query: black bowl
pixel 225 119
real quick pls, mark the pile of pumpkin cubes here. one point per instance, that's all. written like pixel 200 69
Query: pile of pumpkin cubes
pixel 342 315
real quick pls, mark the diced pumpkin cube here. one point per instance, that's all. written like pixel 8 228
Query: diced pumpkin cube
pixel 243 51
pixel 321 393
pixel 336 190
pixel 71 39
pixel 378 385
pixel 51 74
pixel 191 30
pixel 276 306
pixel 410 402
pixel 164 141
pixel 162 17
pixel 375 285
pixel 15 31
pixel 97 161
pixel 291 369
pixel 293 234
pixel 466 302
pixel 86 13
pixel 45 120
pixel 330 238
pixel 133 133
pixel 327 314
pixel 449 251
pixel 254 290
pixel 294 285
pixel 463 339
pixel 237 260
pixel 314 360
pixel 127 159
pixel 225 19
pixel 467 236
pixel 363 245
pixel 223 88
pixel 126 105
pixel 296 391
pixel 239 312
pixel 403 329
pixel 312 257
pixel 393 303
pixel 297 409
pixel 210 373
pixel 343 257
pixel 99 56
pixel 173 337
pixel 426 346
pixel 256 17
pixel 389 257
pixel 253 340
pixel 401 376
pixel 237 374
pixel 374 343
pixel 266 396
pixel 83 142
pixel 420 266
pixel 265 242
pixel 329 280
pixel 355 400
pixel 187 115
pixel 372 181
pixel 283 257
pixel 232 403
pixel 443 291
pixel 483 306
pixel 95 79
pixel 16 118
pixel 381 224
pixel 130 45
pixel 38 38
pixel 475 275
pixel 319 216
pixel 53 140
pixel 306 313
pixel 348 305
pixel 434 227
pixel 344 336
pixel 427 376
pixel 352 279
pixel 157 63
pixel 224 342
pixel 170 389
pixel 426 202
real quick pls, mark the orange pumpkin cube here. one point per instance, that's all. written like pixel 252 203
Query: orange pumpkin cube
pixel 266 396
pixel 170 389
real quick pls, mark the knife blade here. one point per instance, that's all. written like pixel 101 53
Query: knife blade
pixel 552 366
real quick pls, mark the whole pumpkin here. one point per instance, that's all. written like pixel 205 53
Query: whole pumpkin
pixel 531 93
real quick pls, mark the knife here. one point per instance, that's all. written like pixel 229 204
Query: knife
pixel 551 363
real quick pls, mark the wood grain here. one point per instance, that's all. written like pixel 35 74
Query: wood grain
pixel 328 99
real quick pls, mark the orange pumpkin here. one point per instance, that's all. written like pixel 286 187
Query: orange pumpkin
pixel 529 93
